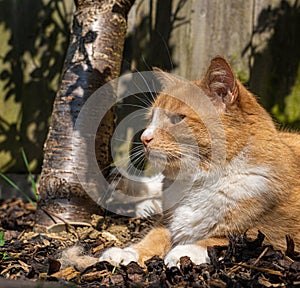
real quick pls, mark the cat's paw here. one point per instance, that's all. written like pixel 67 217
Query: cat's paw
pixel 116 256
pixel 148 207
pixel 196 253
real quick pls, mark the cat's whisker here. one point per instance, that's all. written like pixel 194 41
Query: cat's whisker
pixel 145 99
pixel 189 145
pixel 154 89
pixel 136 106
pixel 199 153
pixel 132 168
pixel 133 152
pixel 145 62
pixel 190 151
pixel 122 163
pixel 107 192
pixel 137 154
pixel 138 147
pixel 123 141
pixel 146 83
pixel 132 171
pixel 167 49
pixel 138 113
pixel 193 147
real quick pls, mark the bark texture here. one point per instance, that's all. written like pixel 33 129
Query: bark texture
pixel 93 59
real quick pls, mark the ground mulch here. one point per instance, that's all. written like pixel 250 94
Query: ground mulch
pixel 30 259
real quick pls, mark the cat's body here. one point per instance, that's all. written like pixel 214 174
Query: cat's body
pixel 229 170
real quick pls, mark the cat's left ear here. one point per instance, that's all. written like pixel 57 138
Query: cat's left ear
pixel 220 80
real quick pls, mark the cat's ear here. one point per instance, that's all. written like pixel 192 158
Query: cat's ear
pixel 165 79
pixel 220 80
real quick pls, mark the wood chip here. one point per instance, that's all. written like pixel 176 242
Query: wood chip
pixel 95 275
pixel 68 274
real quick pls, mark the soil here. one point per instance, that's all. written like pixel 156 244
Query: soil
pixel 30 259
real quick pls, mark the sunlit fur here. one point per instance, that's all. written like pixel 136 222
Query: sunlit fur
pixel 252 184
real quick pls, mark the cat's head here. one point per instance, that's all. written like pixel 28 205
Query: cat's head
pixel 194 124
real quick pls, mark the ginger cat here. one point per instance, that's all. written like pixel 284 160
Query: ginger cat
pixel 227 170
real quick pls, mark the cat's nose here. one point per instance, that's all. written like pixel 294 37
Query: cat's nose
pixel 146 137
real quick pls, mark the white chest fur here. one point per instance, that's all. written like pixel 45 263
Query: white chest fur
pixel 206 203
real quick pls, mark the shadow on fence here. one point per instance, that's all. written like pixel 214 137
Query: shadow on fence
pixel 30 72
pixel 275 68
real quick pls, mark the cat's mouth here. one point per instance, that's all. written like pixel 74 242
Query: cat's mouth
pixel 161 158
pixel 155 155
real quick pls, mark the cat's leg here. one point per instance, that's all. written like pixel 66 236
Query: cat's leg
pixel 156 243
pixel 144 192
pixel 196 251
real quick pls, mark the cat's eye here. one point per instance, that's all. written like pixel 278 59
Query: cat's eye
pixel 176 118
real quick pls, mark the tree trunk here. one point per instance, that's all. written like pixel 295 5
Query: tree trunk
pixel 93 59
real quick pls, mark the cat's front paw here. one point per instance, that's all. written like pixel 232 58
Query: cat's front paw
pixel 196 253
pixel 148 207
pixel 117 256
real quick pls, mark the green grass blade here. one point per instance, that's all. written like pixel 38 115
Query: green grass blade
pixel 33 184
pixel 14 185
pixel 2 238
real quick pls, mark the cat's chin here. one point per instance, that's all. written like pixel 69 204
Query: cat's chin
pixel 169 170
pixel 157 159
pixel 172 168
